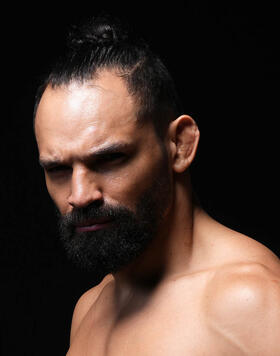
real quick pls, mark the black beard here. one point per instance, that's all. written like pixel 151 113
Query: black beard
pixel 127 236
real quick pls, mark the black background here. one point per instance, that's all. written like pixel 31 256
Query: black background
pixel 224 58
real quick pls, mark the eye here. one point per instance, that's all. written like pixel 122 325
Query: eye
pixel 109 159
pixel 58 169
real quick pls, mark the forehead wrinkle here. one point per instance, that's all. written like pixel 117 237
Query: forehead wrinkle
pixel 96 151
pixel 94 138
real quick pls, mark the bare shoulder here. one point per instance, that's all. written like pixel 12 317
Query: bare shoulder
pixel 242 305
pixel 85 302
pixel 230 246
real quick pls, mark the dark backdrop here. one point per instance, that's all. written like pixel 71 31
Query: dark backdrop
pixel 225 63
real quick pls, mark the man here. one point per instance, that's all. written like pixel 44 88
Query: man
pixel 116 151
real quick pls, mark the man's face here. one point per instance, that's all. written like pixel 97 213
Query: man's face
pixel 108 176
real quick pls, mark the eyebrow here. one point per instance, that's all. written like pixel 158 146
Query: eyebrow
pixel 94 154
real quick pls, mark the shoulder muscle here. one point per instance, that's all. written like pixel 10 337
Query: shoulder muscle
pixel 85 302
pixel 242 304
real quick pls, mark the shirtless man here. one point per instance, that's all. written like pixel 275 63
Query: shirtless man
pixel 116 151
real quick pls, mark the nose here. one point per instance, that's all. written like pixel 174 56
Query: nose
pixel 84 188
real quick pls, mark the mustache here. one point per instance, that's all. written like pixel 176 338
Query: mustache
pixel 81 215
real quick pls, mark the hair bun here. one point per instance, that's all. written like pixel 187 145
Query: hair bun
pixel 98 31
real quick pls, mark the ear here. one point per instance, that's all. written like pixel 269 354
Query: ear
pixel 183 138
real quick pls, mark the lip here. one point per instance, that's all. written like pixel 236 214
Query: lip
pixel 93 225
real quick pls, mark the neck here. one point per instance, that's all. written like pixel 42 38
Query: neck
pixel 170 252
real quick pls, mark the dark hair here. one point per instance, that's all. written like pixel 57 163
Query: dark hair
pixel 103 43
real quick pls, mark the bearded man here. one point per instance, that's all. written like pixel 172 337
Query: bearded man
pixel 116 150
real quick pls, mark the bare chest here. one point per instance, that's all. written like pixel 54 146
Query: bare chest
pixel 168 326
pixel 171 334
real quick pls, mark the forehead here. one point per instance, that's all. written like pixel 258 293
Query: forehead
pixel 98 111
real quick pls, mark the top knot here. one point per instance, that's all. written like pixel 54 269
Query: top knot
pixel 99 31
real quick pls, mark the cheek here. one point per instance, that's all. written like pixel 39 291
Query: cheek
pixel 59 194
pixel 123 190
pixel 128 187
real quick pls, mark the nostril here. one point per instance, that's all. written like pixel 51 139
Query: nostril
pixel 93 207
pixel 85 199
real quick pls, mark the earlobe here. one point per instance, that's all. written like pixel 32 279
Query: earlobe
pixel 184 138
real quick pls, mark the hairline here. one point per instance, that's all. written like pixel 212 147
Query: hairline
pixel 141 113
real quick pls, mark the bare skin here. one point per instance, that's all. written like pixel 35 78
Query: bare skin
pixel 200 288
